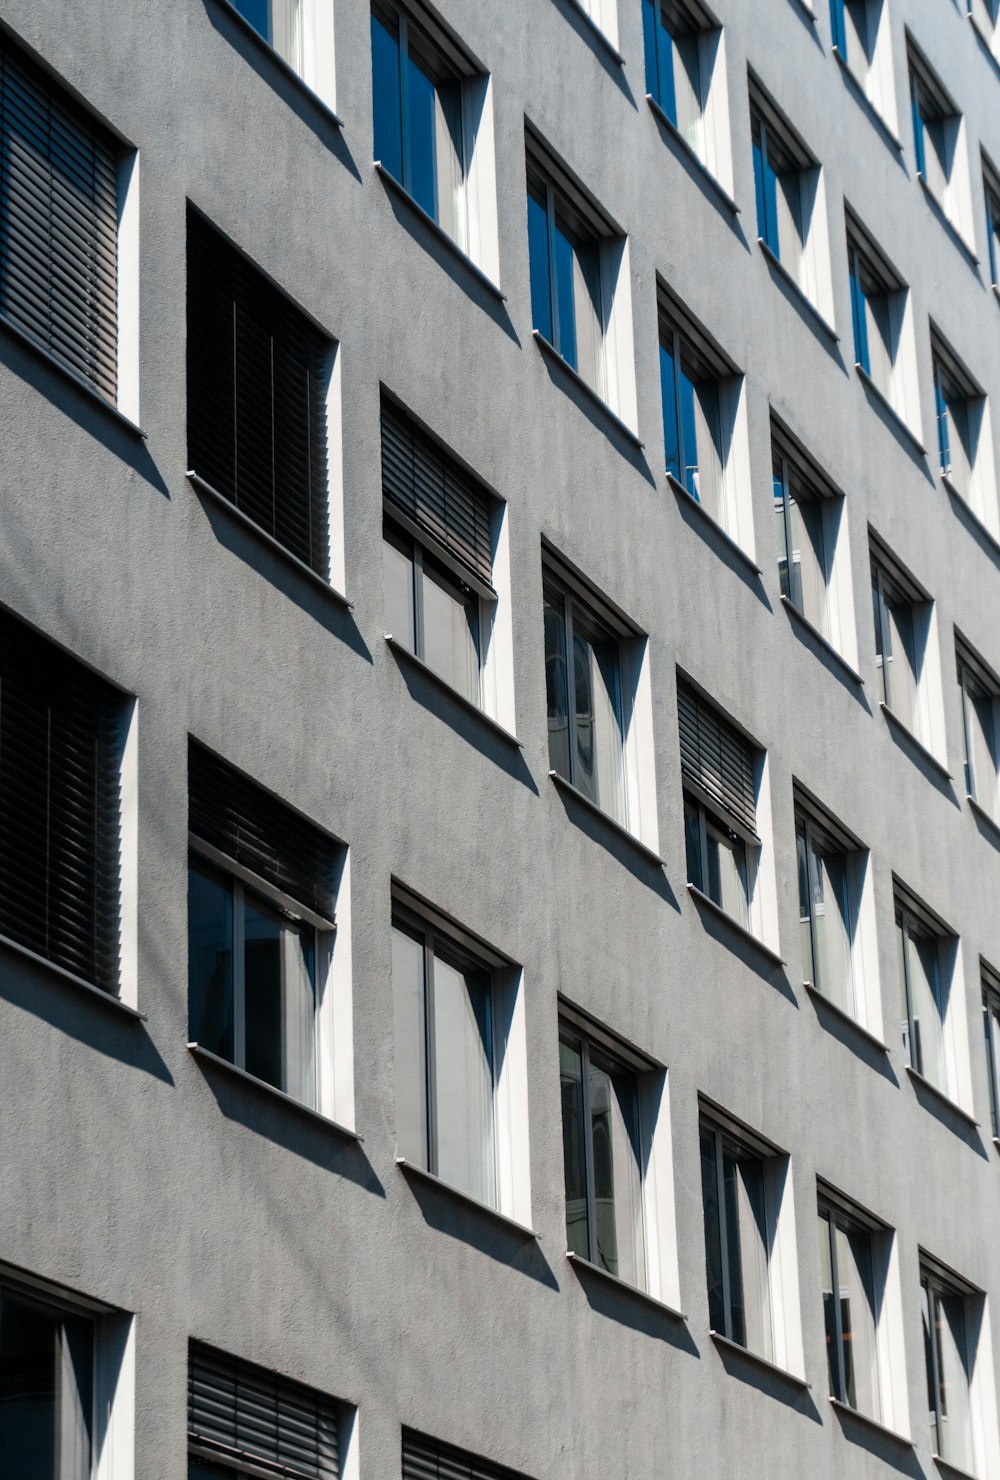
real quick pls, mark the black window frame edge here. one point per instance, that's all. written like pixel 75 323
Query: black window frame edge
pixel 905 897
pixel 804 799
pixel 947 1276
pixel 569 575
pixel 673 312
pixel 306 88
pixel 752 1141
pixel 861 239
pixel 414 908
pixel 951 361
pixel 789 445
pixel 763 101
pixel 900 575
pixel 616 1045
pixel 540 155
pixel 917 64
pixel 684 674
pixel 829 1196
pixel 457 55
pixel 33 1286
pixel 497 1471
pixel 968 656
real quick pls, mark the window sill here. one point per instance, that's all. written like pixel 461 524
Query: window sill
pixel 733 1346
pixel 403 655
pixel 824 642
pixel 897 724
pixel 62 974
pixel 392 184
pixel 714 525
pixel 844 1016
pixel 612 822
pixel 701 898
pixel 775 263
pixel 551 353
pixel 219 499
pixel 855 84
pixel 890 409
pixel 270 1091
pixel 586 1269
pixel 413 1169
pixel 592 26
pixel 953 493
pixel 279 61
pixel 689 153
pixel 65 373
pixel 870 1423
pixel 967 248
pixel 939 1094
pixel 947 1468
pixel 985 817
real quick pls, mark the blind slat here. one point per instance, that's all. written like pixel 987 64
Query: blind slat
pixel 717 758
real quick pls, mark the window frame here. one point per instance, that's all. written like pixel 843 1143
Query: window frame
pixel 820 838
pixel 696 20
pixel 979 685
pixel 539 183
pixel 893 590
pixel 912 921
pixel 710 823
pixel 990 986
pixel 991 200
pixel 938 1285
pixel 799 493
pixel 314 67
pixel 838 1213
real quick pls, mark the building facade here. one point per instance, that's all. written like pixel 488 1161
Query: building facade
pixel 499 739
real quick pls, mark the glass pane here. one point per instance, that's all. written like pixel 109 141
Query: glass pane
pixel 727 874
pixel 753 1249
pixel 788 221
pixel 857 1306
pixel 930 1365
pixel 880 641
pixel 565 275
pixel 731 1191
pixel 687 88
pixel 805 905
pixel 449 160
pixel 689 434
pixel 980 716
pixel 941 417
pixel 385 99
pixel 832 927
pixel 422 182
pixel 589 316
pixel 256 12
pixel 538 267
pixel 955 1430
pixel 810 542
pixel 397 565
pixel 923 975
pixel 666 96
pixel 692 845
pixel 46 1392
pixel 286 38
pixel 880 340
pixel 713 1231
pixel 829 1310
pixel 298 989
pixel 784 575
pixel 463 1079
pixel 410 1048
pixel 210 961
pixel 598 770
pixel 902 677
pixel 650 26
pixel 556 685
pixel 668 402
pixel 705 451
pixel 859 314
pixel 451 630
pixel 263 1007
pixel 574 1150
pixel 614 1131
pixel 904 993
pixel 991 1026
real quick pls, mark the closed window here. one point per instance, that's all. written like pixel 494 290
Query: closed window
pixel 809 519
pixel 692 398
pixel 261 896
pixel 679 58
pixel 438 554
pixel 62 739
pixel 65 201
pixel 425 1458
pixel 991 1040
pixel 937 129
pixel 852 23
pixel 258 383
pixel 991 197
pixel 948 1308
pixel 879 302
pixel 719 767
pixel 924 953
pixel 301 32
pixel 244 1420
pixel 852 1274
pixel 965 444
pixel 902 624
pixel 567 289
pixel 280 24
pixel 980 690
pixel 786 180
pixel 827 907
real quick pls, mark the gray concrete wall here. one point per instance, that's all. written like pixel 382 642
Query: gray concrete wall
pixel 129 1174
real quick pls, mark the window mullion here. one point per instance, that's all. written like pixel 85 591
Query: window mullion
pixel 786 514
pixel 703 844
pixel 239 974
pixel 720 1194
pixel 811 871
pixel 838 1320
pixel 932 1317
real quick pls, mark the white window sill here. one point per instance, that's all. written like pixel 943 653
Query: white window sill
pixel 991 534
pixel 586 1269
pixel 204 488
pixel 690 153
pixel 985 817
pixel 776 264
pixel 713 524
pixel 941 1095
pixel 62 974
pixel 855 83
pixel 74 379
pixel 612 822
pixel 823 641
pixel 897 724
pixel 870 1423
pixel 403 654
pixel 596 31
pixel 270 1091
pixel 947 1468
pixel 396 188
pixel 701 898
pixel 844 1016
pixel 266 49
pixel 551 353
pixel 727 1344
pixel 413 1169
pixel 890 409
pixel 952 227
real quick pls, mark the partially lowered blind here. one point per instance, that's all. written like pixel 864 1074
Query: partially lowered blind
pixel 230 813
pixel 435 493
pixel 60 759
pixel 716 759
pixel 58 222
pixel 430 1459
pixel 257 371
pixel 276 1427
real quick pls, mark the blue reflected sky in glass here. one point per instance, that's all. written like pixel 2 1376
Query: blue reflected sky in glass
pixel 659 49
pixel 385 89
pixel 564 292
pixel 668 397
pixel 257 12
pixel 538 266
pixel 689 434
pixel 422 185
pixel 861 355
pixel 766 190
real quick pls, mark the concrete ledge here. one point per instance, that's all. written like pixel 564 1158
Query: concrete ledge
pixel 66 373
pixel 725 1343
pixel 846 1017
pixel 402 654
pixel 713 524
pixel 551 353
pixel 942 1096
pixel 585 1269
pixel 775 263
pixel 413 1169
pixel 98 994
pixel 279 61
pixel 904 730
pixel 606 817
pixel 214 1061
pixel 823 641
pixel 678 138
pixel 392 184
pixel 705 901
pixel 844 1411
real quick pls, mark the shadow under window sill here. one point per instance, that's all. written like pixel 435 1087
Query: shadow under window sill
pixel 987 818
pixel 201 486
pixel 953 1472
pixel 954 231
pixel 605 40
pixel 888 136
pixel 728 1345
pixel 275 57
pixel 844 1016
pixel 918 745
pixel 776 265
pixel 214 1061
pixel 942 1096
pixel 692 154
pixel 717 529
pixel 465 1199
pixel 849 1413
pixel 65 373
pixel 706 901
pixel 391 183
pixel 551 353
pixel 958 497
pixel 612 822
pixel 889 409
pixel 402 654
pixel 79 983
pixel 586 1269
pixel 800 617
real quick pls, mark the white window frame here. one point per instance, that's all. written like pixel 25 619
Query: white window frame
pixel 314 66
pixel 868 63
pixel 976 1356
pixel 893 374
pixel 947 181
pixel 913 919
pixel 979 684
pixel 893 586
pixel 970 472
pixel 704 129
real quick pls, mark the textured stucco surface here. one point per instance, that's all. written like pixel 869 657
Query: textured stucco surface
pixel 128 1173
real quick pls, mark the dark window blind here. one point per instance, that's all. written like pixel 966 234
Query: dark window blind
pixel 716 759
pixel 58 222
pixel 60 760
pixel 257 374
pixel 230 813
pixel 276 1427
pixel 436 494
pixel 430 1459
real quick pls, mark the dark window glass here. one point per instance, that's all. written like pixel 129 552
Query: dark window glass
pixel 386 96
pixel 210 959
pixel 46 1392
pixel 538 264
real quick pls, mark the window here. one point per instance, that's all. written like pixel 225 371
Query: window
pixel 438 554
pixel 280 24
pixel 985 16
pixel 828 889
pixel 259 376
pixel 789 208
pixel 881 323
pixel 980 690
pixel 813 569
pixel 752 1299
pixel 965 451
pixel 62 746
pixel 902 612
pixel 719 766
pixel 938 142
pixel 861 41
pixel 991 195
pixel 243 1420
pixel 425 1458
pixel 924 952
pixel 301 32
pixel 459 1056
pixel 685 74
pixel 852 1301
pixel 944 1303
pixel 262 888
pixel 65 1368
pixel 67 278
pixel 991 1035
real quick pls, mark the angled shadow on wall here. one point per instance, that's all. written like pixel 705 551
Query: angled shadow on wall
pixel 603 831
pixel 594 409
pixel 603 50
pixel 632 1308
pixel 700 175
pixel 767 1379
pixel 854 1038
pixel 950 1116
pixel 895 1452
pixel 987 542
pixel 706 528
